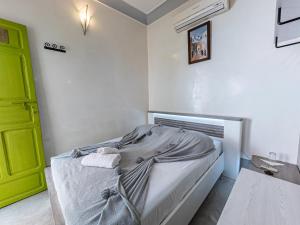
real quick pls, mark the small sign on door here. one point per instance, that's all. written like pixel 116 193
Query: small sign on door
pixel 3 35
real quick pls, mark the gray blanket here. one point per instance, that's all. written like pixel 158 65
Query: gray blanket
pixel 96 196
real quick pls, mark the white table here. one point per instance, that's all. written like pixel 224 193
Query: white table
pixel 258 199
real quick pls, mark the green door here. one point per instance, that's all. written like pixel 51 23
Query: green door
pixel 21 150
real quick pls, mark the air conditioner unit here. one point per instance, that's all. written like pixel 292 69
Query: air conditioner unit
pixel 200 12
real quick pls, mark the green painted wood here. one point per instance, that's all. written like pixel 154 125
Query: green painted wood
pixel 21 150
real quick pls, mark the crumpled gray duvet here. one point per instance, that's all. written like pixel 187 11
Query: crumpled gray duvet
pixel 98 196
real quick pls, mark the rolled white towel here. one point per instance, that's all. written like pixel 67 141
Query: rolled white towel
pixel 108 150
pixel 99 160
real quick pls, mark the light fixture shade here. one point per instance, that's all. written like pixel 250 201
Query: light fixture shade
pixel 85 18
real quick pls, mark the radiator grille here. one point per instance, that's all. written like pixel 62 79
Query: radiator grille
pixel 211 130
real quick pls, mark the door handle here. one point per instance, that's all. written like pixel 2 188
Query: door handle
pixel 33 106
pixel 27 105
pixel 22 101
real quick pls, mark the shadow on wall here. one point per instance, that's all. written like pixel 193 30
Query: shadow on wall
pixel 246 139
pixel 232 3
pixel 41 95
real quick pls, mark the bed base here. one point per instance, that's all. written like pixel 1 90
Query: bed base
pixel 55 206
pixel 181 215
pixel 187 208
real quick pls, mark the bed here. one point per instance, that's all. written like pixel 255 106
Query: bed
pixel 183 186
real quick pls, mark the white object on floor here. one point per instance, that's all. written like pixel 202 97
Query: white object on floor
pixel 108 150
pixel 260 199
pixel 99 160
pixel 269 168
pixel 272 163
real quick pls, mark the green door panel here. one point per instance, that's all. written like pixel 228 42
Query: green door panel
pixel 2 162
pixel 20 161
pixel 14 113
pixel 10 35
pixel 21 150
pixel 12 77
pixel 21 188
pixel 17 50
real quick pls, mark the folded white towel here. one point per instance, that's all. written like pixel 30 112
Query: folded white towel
pixel 99 160
pixel 108 150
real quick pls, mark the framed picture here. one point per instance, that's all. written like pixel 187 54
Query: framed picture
pixel 199 43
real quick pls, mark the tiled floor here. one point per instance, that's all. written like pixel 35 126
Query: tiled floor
pixel 36 210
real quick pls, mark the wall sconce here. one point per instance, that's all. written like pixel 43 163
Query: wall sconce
pixel 85 18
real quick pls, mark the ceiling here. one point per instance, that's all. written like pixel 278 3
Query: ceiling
pixel 144 11
pixel 146 6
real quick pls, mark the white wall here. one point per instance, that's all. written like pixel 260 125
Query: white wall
pixel 99 89
pixel 246 77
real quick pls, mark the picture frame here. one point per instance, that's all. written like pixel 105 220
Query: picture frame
pixel 199 43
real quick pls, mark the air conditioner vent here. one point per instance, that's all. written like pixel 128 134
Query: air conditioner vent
pixel 199 13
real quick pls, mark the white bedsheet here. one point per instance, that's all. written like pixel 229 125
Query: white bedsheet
pixel 175 180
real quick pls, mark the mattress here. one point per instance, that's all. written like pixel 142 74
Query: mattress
pixel 175 180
